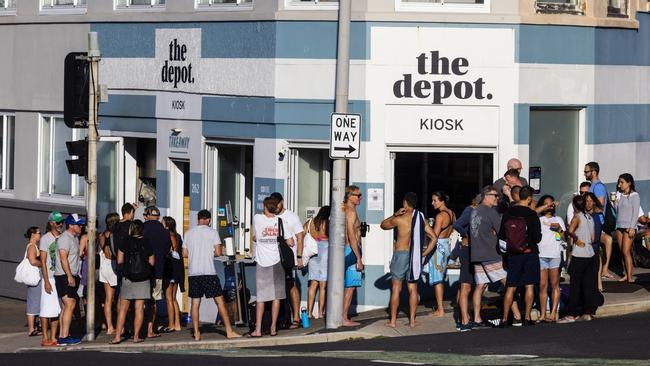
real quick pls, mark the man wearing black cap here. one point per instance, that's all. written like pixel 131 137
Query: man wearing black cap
pixel 160 241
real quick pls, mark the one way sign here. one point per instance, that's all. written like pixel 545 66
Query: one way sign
pixel 345 138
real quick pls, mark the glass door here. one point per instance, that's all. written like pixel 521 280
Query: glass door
pixel 229 190
pixel 309 181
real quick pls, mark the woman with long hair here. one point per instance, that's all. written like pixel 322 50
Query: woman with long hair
pixel 442 229
pixel 107 262
pixel 582 284
pixel 550 256
pixel 318 229
pixel 33 236
pixel 133 288
pixel 177 278
pixel 594 208
pixel 627 214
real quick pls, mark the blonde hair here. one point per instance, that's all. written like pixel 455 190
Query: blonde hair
pixel 349 190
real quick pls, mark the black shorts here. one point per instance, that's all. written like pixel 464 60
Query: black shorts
pixel 466 267
pixel 523 269
pixel 207 285
pixel 63 289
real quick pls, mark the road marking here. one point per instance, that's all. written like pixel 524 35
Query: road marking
pixel 398 362
pixel 510 356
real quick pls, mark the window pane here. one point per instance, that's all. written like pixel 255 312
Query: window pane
pixel 310 178
pixel 45 155
pixel 11 138
pixel 63 2
pixel 2 145
pixel 106 177
pixel 61 182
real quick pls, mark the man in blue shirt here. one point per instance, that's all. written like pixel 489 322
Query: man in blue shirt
pixel 592 171
pixel 160 241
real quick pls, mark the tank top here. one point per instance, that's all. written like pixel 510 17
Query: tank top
pixel 583 232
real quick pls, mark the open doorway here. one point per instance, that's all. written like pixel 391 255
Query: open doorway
pixel 461 175
pixel 179 194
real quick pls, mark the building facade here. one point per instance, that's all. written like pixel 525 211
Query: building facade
pixel 216 104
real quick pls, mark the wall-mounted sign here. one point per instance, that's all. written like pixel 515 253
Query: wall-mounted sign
pixel 345 137
pixel 442 125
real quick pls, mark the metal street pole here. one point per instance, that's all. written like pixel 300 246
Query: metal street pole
pixel 91 210
pixel 336 261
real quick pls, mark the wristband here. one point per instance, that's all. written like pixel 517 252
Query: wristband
pixel 299 256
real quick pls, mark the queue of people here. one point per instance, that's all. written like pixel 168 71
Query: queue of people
pixel 504 236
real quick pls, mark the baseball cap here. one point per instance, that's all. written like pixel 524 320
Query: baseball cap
pixel 152 211
pixel 75 219
pixel 55 216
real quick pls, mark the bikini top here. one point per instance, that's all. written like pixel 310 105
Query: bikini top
pixel 451 222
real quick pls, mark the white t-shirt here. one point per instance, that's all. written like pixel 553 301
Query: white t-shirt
pixel 200 242
pixel 549 246
pixel 291 224
pixel 266 230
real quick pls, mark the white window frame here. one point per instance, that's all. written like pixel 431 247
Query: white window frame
pixel 74 187
pixel 240 5
pixel 75 8
pixel 130 7
pixel 442 7
pixel 293 179
pixel 6 11
pixel 4 163
pixel 312 5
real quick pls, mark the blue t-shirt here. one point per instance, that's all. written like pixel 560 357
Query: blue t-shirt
pixel 599 189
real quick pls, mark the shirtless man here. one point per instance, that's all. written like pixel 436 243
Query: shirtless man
pixel 353 262
pixel 406 262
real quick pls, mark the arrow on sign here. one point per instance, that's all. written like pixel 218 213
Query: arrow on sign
pixel 350 149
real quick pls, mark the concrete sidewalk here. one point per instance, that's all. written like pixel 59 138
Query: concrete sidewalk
pixel 620 299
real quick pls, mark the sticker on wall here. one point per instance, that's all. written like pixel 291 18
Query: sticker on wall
pixel 375 199
pixel 223 223
pixel 535 178
pixel 222 211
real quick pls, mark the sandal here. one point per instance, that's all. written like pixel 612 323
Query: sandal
pixel 139 340
pixel 34 333
pixel 294 325
pixel 250 335
pixel 167 330
pixel 115 342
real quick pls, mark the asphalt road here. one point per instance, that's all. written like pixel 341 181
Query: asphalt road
pixel 615 338
pixel 608 341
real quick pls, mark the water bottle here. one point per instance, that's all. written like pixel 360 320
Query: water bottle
pixel 304 318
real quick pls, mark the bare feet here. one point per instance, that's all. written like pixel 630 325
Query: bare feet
pixel 110 332
pixel 438 313
pixel 391 324
pixel 350 323
pixel 413 324
pixel 232 334
pixel 197 336
pixel 622 279
pixel 607 274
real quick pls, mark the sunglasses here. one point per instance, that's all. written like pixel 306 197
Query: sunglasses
pixel 357 194
pixel 588 171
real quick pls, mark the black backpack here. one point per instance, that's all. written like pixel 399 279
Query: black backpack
pixel 609 224
pixel 136 264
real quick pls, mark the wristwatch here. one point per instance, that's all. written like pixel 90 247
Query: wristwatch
pixel 299 256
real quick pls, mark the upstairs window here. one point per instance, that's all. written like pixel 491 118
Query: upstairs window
pixel 312 4
pixel 138 4
pixel 7 7
pixel 447 6
pixel 216 4
pixel 74 5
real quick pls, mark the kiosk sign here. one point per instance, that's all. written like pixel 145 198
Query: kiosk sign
pixel 345 138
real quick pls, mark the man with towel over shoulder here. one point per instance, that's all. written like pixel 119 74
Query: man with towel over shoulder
pixel 406 263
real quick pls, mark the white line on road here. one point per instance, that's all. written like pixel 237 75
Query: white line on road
pixel 398 362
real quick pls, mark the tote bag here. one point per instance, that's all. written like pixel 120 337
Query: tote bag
pixel 286 254
pixel 26 273
pixel 310 245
